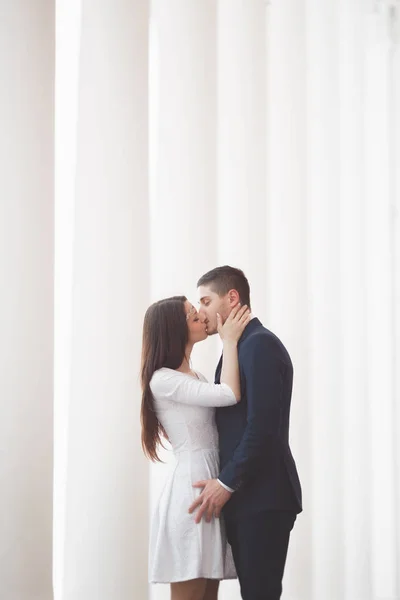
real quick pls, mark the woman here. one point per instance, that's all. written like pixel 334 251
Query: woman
pixel 179 404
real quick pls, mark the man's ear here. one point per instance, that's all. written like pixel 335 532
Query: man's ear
pixel 234 298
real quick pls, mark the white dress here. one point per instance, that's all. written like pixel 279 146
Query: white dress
pixel 179 548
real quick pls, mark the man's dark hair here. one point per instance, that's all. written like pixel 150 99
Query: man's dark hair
pixel 223 279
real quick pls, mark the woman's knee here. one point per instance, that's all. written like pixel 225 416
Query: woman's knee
pixel 189 590
pixel 211 592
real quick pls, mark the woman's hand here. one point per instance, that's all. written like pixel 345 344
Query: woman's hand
pixel 235 324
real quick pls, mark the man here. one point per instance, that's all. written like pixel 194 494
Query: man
pixel 258 485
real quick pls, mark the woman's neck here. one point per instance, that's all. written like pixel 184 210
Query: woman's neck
pixel 185 366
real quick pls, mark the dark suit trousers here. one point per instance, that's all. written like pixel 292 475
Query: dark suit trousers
pixel 259 544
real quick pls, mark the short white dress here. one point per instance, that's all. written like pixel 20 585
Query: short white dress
pixel 180 549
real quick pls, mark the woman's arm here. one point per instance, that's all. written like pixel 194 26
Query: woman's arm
pixel 230 333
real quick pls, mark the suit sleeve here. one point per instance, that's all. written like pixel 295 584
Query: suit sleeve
pixel 263 373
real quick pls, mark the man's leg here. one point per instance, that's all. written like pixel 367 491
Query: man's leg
pixel 259 544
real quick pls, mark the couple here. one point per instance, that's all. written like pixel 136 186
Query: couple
pixel 231 500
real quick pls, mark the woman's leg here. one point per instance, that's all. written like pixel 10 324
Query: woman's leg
pixel 211 592
pixel 189 590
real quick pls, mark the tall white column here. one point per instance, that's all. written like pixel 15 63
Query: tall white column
pixel 241 153
pixel 323 234
pixel 395 111
pixel 379 303
pixel 26 270
pixel 286 244
pixel 68 20
pixel 356 474
pixel 184 95
pixel 183 174
pixel 106 506
pixel 241 143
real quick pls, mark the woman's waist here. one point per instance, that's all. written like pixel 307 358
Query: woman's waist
pixel 197 464
pixel 184 451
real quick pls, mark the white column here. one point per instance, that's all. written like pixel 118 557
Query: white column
pixel 379 301
pixel 183 173
pixel 106 534
pixel 286 247
pixel 395 112
pixel 356 471
pixel 68 19
pixel 323 177
pixel 26 271
pixel 241 154
pixel 184 95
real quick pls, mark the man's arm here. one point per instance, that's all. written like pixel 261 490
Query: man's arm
pixel 264 373
pixel 226 487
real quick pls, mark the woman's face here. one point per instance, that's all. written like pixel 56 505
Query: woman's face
pixel 197 327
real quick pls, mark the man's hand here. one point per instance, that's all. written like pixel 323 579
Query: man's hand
pixel 211 500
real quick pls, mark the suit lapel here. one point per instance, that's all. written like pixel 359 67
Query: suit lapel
pixel 218 371
pixel 254 323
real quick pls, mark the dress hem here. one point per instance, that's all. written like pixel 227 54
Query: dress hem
pixel 182 580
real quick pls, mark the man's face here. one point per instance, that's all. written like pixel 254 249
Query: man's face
pixel 211 304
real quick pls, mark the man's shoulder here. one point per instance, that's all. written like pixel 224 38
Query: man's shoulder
pixel 262 339
pixel 260 335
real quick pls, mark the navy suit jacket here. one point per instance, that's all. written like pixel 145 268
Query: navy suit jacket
pixel 255 456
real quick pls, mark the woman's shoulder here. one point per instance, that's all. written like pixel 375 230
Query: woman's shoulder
pixel 163 375
pixel 165 379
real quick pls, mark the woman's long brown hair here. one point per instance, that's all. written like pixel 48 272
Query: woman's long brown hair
pixel 165 337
